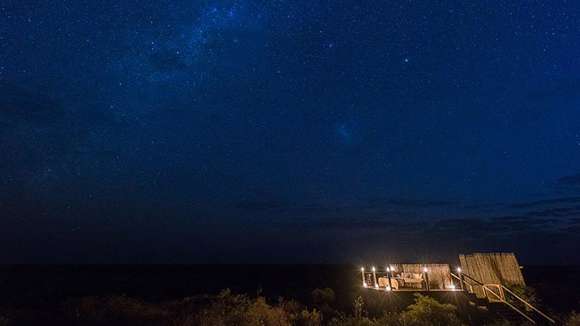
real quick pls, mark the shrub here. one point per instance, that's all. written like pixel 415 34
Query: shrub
pixel 501 322
pixel 308 318
pixel 229 309
pixel 360 318
pixel 323 300
pixel 428 311
pixel 4 321
pixel 114 308
pixel 573 319
pixel 351 321
pixel 387 320
pixel 527 293
pixel 226 309
pixel 299 315
pixel 262 314
pixel 322 297
pixel 358 308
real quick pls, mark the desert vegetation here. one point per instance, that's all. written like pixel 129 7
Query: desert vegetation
pixel 227 308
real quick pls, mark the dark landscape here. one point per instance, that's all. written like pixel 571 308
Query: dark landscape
pixel 31 293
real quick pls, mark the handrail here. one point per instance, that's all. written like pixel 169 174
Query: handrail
pixel 498 287
pixel 529 304
pixel 462 283
pixel 513 294
pixel 471 279
pixel 474 280
pixel 457 277
pixel 485 288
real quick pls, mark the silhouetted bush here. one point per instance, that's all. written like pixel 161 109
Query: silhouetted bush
pixel 4 321
pixel 324 296
pixel 227 308
pixel 425 311
pixel 428 311
pixel 114 308
pixel 573 319
pixel 231 309
pixel 299 315
pixel 502 322
pixel 323 300
pixel 527 293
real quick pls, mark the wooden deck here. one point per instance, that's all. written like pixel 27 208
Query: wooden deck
pixel 486 276
pixel 410 278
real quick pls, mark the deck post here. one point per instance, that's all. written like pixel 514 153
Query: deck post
pixel 460 279
pixel 362 274
pixel 375 277
pixel 389 277
pixel 502 294
pixel 426 277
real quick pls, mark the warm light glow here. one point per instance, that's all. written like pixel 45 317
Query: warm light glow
pixel 365 284
pixel 452 286
pixel 373 268
pixel 388 288
pixel 388 269
pixel 425 270
pixel 362 269
pixel 392 269
pixel 376 286
pixel 458 269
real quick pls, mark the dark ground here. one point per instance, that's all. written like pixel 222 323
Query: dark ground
pixel 42 285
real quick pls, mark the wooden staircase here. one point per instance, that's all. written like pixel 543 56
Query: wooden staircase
pixel 502 311
pixel 501 302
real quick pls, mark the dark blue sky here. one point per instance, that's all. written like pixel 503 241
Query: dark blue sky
pixel 288 131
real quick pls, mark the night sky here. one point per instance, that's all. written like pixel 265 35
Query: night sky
pixel 288 131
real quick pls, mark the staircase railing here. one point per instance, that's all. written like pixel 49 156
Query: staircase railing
pixel 487 289
pixel 529 305
pixel 463 284
pixel 502 300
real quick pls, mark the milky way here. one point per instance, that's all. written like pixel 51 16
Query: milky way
pixel 293 126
